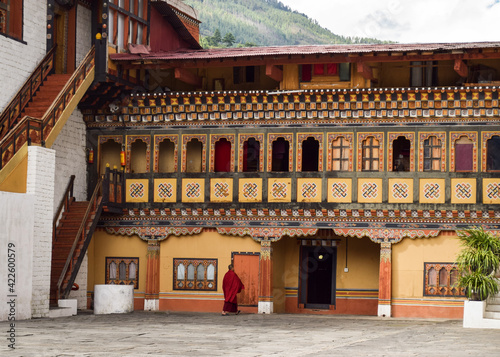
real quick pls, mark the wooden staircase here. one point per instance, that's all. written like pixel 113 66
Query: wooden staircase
pixel 46 95
pixel 73 228
pixel 66 231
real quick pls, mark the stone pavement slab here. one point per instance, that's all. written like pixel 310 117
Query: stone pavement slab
pixel 207 334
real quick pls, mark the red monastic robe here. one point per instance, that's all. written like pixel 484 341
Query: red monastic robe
pixel 231 285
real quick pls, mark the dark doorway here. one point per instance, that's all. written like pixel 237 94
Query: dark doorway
pixel 317 276
pixel 310 154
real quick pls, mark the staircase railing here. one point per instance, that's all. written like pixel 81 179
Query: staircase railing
pixel 13 110
pixel 63 206
pixel 55 110
pixel 83 237
pixel 36 131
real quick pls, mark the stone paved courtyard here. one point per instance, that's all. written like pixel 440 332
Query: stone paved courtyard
pixel 207 334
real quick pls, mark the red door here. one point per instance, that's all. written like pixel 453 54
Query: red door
pixel 247 268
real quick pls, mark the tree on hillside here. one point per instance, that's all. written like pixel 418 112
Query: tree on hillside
pixel 229 39
pixel 216 38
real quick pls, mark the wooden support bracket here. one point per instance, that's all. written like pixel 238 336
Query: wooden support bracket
pixel 274 72
pixel 365 71
pixel 187 77
pixel 461 68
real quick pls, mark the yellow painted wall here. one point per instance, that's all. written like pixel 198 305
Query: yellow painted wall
pixel 107 245
pixel 408 259
pixel 16 180
pixel 207 245
pixel 363 257
pixel 363 261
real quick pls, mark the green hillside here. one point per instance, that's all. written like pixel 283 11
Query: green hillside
pixel 261 23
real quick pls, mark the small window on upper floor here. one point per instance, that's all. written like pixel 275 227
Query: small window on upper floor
pixel 371 154
pixel 423 73
pixel 11 18
pixel 401 154
pixel 310 154
pixel 464 154
pixel 194 156
pixel 251 155
pixel 138 157
pixel 222 156
pixel 493 154
pixel 432 154
pixel 280 155
pixel 245 74
pixel 342 70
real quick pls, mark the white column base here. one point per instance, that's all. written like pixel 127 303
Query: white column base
pixel 151 304
pixel 265 307
pixel 384 311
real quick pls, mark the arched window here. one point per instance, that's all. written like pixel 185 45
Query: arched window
pixel 401 154
pixel 138 158
pixel 181 272
pixel 109 154
pixel 200 273
pixel 310 154
pixel 190 275
pixel 122 275
pixel 443 277
pixel 341 154
pixel 194 152
pixel 222 156
pixel 251 155
pixel 280 155
pixel 166 156
pixel 371 154
pixel 464 154
pixel 493 154
pixel 132 271
pixel 211 272
pixel 432 277
pixel 432 154
pixel 112 270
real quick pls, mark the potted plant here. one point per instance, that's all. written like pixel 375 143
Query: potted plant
pixel 477 263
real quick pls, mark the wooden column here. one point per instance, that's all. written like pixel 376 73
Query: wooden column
pixel 265 305
pixel 152 291
pixel 385 280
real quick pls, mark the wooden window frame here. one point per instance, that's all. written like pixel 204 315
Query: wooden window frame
pixel 454 137
pixel 301 137
pixel 433 157
pixel 371 159
pixel 196 262
pixel 441 290
pixel 13 14
pixel 127 261
pixel 271 138
pixel 242 138
pixel 131 21
pixel 185 140
pixel 422 137
pixel 349 138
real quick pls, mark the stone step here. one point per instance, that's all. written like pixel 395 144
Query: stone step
pixel 493 307
pixel 494 301
pixel 492 315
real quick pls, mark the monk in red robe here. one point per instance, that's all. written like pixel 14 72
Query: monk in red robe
pixel 231 285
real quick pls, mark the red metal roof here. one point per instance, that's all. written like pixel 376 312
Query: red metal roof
pixel 224 53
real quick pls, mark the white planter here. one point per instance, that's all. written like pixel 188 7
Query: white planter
pixel 113 299
pixel 474 316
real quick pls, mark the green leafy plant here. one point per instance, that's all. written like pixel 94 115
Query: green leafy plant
pixel 477 263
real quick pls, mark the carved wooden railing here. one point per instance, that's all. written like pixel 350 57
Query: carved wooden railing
pixel 10 115
pixel 36 131
pixel 63 206
pixel 82 241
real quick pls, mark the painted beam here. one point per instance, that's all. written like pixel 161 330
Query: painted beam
pixel 274 72
pixel 187 77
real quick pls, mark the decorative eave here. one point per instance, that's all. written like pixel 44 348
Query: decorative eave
pixel 378 225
